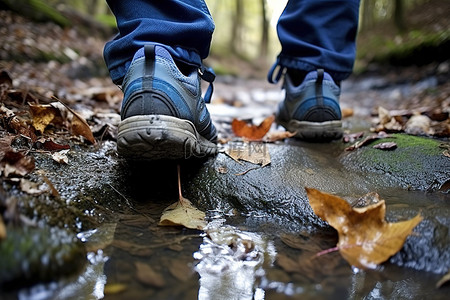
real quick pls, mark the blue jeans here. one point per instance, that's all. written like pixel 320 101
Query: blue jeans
pixel 313 33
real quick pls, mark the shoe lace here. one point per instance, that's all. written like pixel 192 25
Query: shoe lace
pixel 279 69
pixel 208 75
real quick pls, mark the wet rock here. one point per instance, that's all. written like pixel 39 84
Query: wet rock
pixel 30 255
pixel 272 198
pixel 417 163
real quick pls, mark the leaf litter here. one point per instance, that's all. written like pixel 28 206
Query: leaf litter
pixel 365 238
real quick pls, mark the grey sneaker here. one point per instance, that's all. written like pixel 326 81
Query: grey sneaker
pixel 163 113
pixel 311 109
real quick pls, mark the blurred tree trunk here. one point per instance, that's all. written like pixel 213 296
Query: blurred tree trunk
pixel 237 26
pixel 399 20
pixel 92 6
pixel 367 14
pixel 264 49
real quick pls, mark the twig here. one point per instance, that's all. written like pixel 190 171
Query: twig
pixel 245 172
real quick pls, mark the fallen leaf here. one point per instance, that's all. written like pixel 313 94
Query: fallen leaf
pixel 49 145
pixel 43 115
pixel 146 275
pixel 365 238
pixel 2 229
pixel 367 140
pixel 273 136
pixel 418 125
pixel 352 137
pixel 252 132
pixel 114 288
pixel 61 157
pixel 183 213
pixel 14 124
pixel 347 112
pixel 5 79
pixel 5 145
pixel 30 187
pixel 446 153
pixel 253 152
pixel 17 164
pixel 79 124
pixel 443 280
pixel 384 115
pixel 53 190
pixel 386 146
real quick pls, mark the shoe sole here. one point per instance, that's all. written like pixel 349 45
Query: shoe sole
pixel 317 131
pixel 158 137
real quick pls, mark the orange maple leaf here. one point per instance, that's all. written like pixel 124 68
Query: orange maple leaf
pixel 252 132
pixel 365 238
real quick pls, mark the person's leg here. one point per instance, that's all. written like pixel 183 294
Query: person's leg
pixel 185 27
pixel 315 35
pixel 156 58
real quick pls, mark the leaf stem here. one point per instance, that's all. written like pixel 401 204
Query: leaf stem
pixel 326 251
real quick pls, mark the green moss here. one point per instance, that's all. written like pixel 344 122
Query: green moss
pixel 413 153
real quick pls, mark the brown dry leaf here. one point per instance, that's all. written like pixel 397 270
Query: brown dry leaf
pixel 5 145
pixel 446 153
pixel 61 157
pixel 347 112
pixel 183 213
pixel 365 238
pixel 43 115
pixel 256 153
pixel 31 188
pixel 386 146
pixel 352 137
pixel 367 140
pixel 79 125
pixel 16 164
pixel 2 229
pixel 146 275
pixel 5 79
pixel 418 125
pixel 274 136
pixel 49 145
pixel 443 280
pixel 252 132
pixel 12 123
pixel 114 288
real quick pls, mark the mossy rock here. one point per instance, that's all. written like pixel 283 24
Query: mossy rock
pixel 416 163
pixel 31 255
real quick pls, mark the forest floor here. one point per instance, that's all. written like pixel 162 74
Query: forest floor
pixel 42 62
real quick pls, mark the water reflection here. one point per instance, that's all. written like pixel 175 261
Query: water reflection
pixel 231 263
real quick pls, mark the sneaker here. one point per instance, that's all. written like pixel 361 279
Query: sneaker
pixel 311 109
pixel 163 115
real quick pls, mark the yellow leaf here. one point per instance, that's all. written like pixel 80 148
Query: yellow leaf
pixel 114 288
pixel 43 115
pixel 183 213
pixel 365 238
